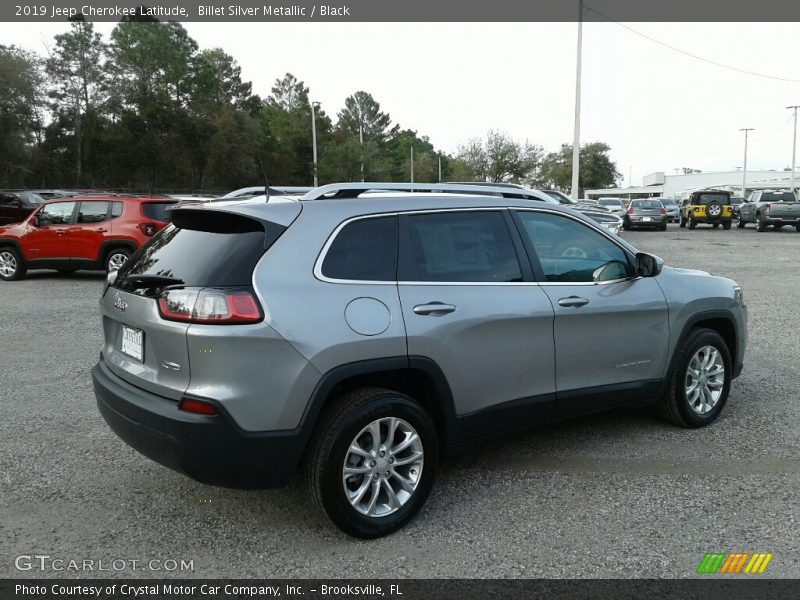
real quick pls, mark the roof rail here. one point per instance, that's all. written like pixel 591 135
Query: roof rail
pixel 354 190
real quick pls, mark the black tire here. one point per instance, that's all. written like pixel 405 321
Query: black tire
pixel 338 427
pixel 761 226
pixel 113 254
pixel 741 223
pixel 14 267
pixel 674 405
pixel 692 223
pixel 726 226
pixel 626 225
pixel 682 221
pixel 716 225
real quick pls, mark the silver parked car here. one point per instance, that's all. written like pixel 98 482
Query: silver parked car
pixel 615 205
pixel 360 339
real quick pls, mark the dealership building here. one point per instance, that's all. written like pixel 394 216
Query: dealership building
pixel 669 186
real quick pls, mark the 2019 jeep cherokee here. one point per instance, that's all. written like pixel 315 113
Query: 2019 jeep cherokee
pixel 360 339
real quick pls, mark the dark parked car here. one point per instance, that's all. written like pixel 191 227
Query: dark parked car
pixel 16 206
pixel 645 213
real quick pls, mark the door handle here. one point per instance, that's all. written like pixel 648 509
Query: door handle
pixel 101 230
pixel 573 301
pixel 433 308
pixel 60 231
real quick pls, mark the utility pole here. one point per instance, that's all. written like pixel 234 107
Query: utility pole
pixel 794 147
pixel 440 168
pixel 412 164
pixel 744 168
pixel 314 106
pixel 361 143
pixel 576 140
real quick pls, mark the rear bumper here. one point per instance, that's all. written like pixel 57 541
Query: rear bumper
pixel 787 220
pixel 210 449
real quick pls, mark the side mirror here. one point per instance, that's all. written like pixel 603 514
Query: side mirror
pixel 37 220
pixel 648 265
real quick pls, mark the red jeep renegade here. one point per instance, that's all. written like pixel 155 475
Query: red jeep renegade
pixel 90 232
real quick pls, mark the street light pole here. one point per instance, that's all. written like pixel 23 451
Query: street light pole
pixel 412 164
pixel 794 147
pixel 744 168
pixel 576 140
pixel 314 107
pixel 361 143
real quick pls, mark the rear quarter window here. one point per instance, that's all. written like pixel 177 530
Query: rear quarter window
pixel 364 250
pixel 158 211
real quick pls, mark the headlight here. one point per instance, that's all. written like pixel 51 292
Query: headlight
pixel 738 295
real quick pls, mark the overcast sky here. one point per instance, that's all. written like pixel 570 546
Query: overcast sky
pixel 657 109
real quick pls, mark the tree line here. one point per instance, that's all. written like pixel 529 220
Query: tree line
pixel 148 110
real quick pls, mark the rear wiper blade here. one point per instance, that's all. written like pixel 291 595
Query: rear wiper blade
pixel 151 281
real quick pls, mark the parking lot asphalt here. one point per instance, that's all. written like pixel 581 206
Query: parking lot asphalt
pixel 620 494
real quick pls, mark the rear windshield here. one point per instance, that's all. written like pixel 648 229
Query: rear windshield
pixel 647 204
pixel 709 198
pixel 157 210
pixel 610 202
pixel 777 197
pixel 218 255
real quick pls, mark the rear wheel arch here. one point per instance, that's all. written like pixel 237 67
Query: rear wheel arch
pixel 108 245
pixel 420 378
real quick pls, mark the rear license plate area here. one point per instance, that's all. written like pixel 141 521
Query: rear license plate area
pixel 132 343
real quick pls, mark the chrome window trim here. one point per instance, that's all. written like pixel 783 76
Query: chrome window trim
pixel 329 242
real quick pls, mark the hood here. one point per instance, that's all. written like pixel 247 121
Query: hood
pixel 686 271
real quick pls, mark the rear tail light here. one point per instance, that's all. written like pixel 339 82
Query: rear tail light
pixel 663 211
pixel 766 207
pixel 209 306
pixel 149 229
pixel 198 407
pixel 630 211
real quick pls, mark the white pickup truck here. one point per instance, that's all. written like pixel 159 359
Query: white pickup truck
pixel 770 207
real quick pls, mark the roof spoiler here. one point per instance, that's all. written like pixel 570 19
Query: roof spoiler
pixel 354 190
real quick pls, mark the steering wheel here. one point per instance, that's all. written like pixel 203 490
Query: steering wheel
pixel 574 252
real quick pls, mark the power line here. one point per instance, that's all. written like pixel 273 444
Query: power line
pixel 691 55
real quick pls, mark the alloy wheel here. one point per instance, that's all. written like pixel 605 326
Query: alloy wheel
pixel 705 379
pixel 115 261
pixel 8 264
pixel 383 467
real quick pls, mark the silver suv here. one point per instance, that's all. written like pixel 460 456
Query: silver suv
pixel 360 339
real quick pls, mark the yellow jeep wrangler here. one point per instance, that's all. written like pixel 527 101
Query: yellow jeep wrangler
pixel 706 206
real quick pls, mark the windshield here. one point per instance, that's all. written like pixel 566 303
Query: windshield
pixel 31 197
pixel 561 199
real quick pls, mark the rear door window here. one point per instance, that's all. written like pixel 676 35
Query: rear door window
pixel 92 212
pixel 364 250
pixel 457 246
